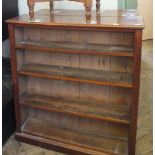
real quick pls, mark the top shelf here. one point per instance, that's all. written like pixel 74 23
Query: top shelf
pixel 80 48
pixel 76 19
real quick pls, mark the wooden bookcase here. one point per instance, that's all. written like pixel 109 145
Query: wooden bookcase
pixel 76 85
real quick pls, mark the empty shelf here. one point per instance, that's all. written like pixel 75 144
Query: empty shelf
pixel 81 48
pixel 108 112
pixel 96 144
pixel 77 75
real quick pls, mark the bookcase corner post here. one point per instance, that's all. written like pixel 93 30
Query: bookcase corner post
pixel 135 91
pixel 14 75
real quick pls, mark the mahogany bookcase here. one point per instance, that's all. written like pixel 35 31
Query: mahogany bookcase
pixel 76 84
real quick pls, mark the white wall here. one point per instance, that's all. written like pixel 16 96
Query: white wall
pixel 146 10
pixel 105 5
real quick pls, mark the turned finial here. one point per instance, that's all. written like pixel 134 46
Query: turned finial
pixel 31 4
pixel 88 15
pixel 88 6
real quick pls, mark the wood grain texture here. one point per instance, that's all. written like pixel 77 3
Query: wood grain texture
pixel 76 48
pixel 14 76
pixel 115 22
pixel 84 37
pixel 85 125
pixel 71 41
pixel 96 143
pixel 77 75
pixel 136 81
pixel 113 113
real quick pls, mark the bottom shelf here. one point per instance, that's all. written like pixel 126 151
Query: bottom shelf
pixel 85 143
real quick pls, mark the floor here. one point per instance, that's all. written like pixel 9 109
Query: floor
pixel 144 135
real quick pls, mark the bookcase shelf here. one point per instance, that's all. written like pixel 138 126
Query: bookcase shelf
pixel 79 48
pixel 97 144
pixel 108 112
pixel 77 74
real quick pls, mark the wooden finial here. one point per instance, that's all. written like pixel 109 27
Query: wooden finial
pixel 31 4
pixel 98 18
pixel 88 5
pixel 88 15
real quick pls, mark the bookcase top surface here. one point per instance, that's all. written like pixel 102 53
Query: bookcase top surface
pixel 128 19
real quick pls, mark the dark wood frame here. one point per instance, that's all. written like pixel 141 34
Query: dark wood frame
pixel 135 94
pixel 136 85
pixel 14 76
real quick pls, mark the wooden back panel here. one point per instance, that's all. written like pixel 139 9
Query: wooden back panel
pixel 67 89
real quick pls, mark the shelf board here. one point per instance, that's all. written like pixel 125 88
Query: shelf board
pixel 77 75
pixel 107 112
pixel 78 48
pixel 87 142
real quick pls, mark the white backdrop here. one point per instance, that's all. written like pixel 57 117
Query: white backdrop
pixel 105 5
